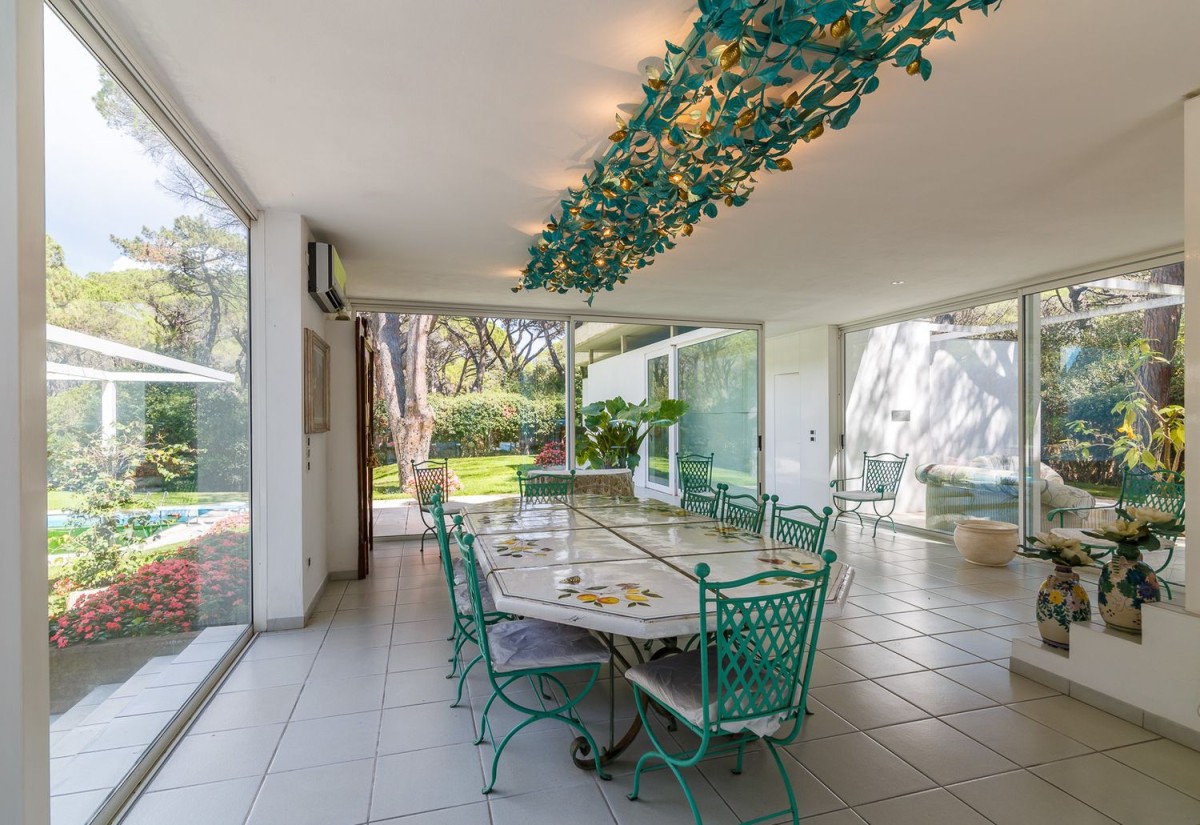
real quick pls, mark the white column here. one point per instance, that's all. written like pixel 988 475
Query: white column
pixel 1191 350
pixel 24 688
pixel 108 410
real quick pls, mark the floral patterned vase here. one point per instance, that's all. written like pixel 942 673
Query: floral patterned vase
pixel 1061 601
pixel 1125 585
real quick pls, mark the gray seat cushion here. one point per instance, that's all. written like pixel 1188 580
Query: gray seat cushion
pixel 863 495
pixel 462 599
pixel 530 644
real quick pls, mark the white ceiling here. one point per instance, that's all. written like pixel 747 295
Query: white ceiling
pixel 430 140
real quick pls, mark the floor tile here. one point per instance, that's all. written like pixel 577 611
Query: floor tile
pixel 866 705
pixel 416 727
pixel 334 697
pixel 823 722
pixel 338 794
pixel 998 683
pixel 311 742
pixel 347 663
pixel 1166 761
pixel 423 655
pixel 76 808
pixel 264 673
pixel 661 801
pixel 877 628
pixel 834 635
pixel 410 783
pixel 983 645
pixel 552 807
pixel 427 631
pixel 941 752
pixel 284 643
pixel 211 757
pixel 1083 723
pixel 934 693
pixel 972 616
pixel 873 661
pixel 247 708
pixel 357 636
pixel 929 652
pixel 826 671
pixel 1020 798
pixel 858 769
pixel 128 731
pixel 759 789
pixel 92 771
pixel 414 687
pixel 1120 792
pixel 927 622
pixel 215 803
pixel 1016 737
pixel 476 813
pixel 880 603
pixel 921 809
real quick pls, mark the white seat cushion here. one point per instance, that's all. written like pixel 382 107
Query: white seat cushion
pixel 449 508
pixel 528 644
pixel 862 495
pixel 675 682
pixel 462 599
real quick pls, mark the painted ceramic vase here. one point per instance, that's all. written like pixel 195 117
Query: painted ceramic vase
pixel 1125 585
pixel 1061 602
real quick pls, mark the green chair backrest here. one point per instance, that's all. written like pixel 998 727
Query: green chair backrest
pixel 802 527
pixel 429 477
pixel 1160 489
pixel 542 487
pixel 744 512
pixel 466 549
pixel 443 540
pixel 763 647
pixel 882 472
pixel 695 471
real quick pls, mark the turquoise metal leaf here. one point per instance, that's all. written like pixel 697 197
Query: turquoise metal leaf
pixel 754 78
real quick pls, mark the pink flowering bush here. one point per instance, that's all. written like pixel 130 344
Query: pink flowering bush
pixel 201 584
pixel 552 455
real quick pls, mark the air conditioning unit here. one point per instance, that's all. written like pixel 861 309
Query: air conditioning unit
pixel 326 277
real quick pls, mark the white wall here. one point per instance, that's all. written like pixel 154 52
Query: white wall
pixel 289 469
pixel 623 375
pixel 801 422
pixel 341 526
pixel 24 688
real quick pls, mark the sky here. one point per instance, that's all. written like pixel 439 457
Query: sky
pixel 98 181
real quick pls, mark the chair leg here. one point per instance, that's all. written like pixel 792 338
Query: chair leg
pixel 462 679
pixel 737 767
pixel 787 783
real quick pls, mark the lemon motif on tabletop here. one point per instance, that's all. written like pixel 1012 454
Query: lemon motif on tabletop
pixel 631 594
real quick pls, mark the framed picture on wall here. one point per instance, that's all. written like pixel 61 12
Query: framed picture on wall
pixel 316 383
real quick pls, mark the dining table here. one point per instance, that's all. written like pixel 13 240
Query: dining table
pixel 624 566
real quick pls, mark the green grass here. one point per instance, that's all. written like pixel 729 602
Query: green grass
pixel 487 475
pixel 62 500
pixel 1098 490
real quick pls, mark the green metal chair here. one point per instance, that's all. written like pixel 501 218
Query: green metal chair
pixel 518 651
pixel 744 511
pixel 880 479
pixel 429 478
pixel 1161 489
pixel 463 623
pixel 695 483
pixel 750 684
pixel 543 488
pixel 799 526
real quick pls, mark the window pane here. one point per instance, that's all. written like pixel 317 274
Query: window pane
pixel 658 442
pixel 147 425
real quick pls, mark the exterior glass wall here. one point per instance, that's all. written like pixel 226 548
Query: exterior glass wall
pixel 147 427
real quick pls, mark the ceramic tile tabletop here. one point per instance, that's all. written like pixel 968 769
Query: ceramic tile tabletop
pixel 697 538
pixel 528 519
pixel 647 511
pixel 503 551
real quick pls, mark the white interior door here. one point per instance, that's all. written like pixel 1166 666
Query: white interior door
pixel 789 439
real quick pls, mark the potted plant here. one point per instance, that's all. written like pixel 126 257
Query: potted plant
pixel 1061 599
pixel 613 430
pixel 1127 582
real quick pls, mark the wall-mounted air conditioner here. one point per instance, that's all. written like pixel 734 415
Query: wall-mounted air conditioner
pixel 326 277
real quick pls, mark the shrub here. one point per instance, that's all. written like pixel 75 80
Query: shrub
pixel 200 584
pixel 479 422
pixel 554 454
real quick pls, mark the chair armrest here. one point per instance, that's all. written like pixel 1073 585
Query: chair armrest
pixel 1060 513
pixel 838 481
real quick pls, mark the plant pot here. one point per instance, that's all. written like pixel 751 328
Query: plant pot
pixel 1061 602
pixel 985 542
pixel 1125 585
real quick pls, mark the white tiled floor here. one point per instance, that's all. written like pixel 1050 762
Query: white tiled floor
pixel 917 720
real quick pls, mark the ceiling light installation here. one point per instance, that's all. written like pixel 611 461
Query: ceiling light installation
pixel 754 78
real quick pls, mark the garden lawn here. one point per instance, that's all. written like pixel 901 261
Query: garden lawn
pixel 486 475
pixel 63 500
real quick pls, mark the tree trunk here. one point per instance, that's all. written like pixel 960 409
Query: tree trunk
pixel 403 384
pixel 1161 328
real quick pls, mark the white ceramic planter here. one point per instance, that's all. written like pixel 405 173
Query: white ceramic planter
pixel 985 542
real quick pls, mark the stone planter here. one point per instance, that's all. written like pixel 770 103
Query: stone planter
pixel 76 670
pixel 1061 601
pixel 985 542
pixel 1125 585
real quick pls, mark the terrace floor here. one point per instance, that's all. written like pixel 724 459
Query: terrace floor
pixel 917 719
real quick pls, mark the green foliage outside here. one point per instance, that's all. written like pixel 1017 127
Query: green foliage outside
pixel 484 475
pixel 613 430
pixel 480 422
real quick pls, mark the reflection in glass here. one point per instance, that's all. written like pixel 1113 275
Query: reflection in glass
pixel 658 442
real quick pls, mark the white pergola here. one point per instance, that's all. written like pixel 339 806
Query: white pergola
pixel 181 372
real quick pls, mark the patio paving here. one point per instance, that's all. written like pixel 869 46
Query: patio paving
pixel 917 719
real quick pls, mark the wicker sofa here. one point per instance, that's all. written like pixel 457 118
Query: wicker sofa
pixel 987 487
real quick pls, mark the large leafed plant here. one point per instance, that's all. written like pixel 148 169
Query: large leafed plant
pixel 613 430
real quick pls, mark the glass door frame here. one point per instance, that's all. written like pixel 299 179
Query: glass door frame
pixel 1028 383
pixel 668 351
